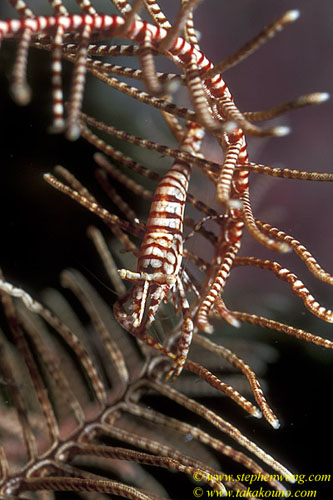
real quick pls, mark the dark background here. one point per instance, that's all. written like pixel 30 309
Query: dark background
pixel 42 232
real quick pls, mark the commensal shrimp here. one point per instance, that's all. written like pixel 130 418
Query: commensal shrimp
pixel 161 253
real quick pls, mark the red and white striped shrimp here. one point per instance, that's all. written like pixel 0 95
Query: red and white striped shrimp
pixel 162 248
pixel 161 252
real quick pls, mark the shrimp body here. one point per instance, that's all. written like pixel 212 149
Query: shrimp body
pixel 160 257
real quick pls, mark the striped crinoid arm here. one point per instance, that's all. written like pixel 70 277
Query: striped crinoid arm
pixel 214 381
pixel 207 166
pixel 152 40
pixel 308 259
pixel 171 424
pixel 199 99
pixel 216 286
pixel 58 7
pixel 87 484
pixel 68 336
pixel 107 259
pixel 255 232
pixel 227 107
pixel 7 292
pixel 86 7
pixel 146 50
pixel 88 297
pixel 160 455
pixel 167 80
pixel 117 225
pixel 149 37
pixel 167 422
pixel 66 398
pixel 254 44
pixel 280 109
pixel 230 184
pixel 271 324
pixel 179 24
pixel 156 14
pixel 21 8
pixel 113 194
pixel 208 377
pixel 224 181
pixel 196 66
pixel 234 360
pixel 123 6
pixel 30 445
pixel 190 33
pixel 78 84
pixel 287 173
pixel 154 447
pixel 222 425
pixel 296 284
pixel 58 124
pixel 19 86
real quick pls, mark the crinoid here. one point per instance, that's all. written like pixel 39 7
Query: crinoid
pixel 88 408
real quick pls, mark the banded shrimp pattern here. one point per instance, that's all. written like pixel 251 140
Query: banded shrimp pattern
pixel 160 257
pixel 213 105
pixel 214 110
